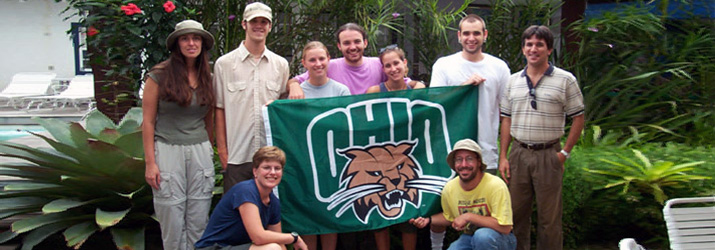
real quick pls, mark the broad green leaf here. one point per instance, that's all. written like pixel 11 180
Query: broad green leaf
pixel 58 129
pixel 108 135
pixel 96 122
pixel 7 235
pixel 106 219
pixel 19 202
pixel 28 186
pixel 130 195
pixel 76 235
pixel 38 235
pixel 128 238
pixel 61 205
pixel 131 144
pixel 25 225
pixel 6 213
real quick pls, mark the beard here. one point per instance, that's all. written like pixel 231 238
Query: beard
pixel 469 177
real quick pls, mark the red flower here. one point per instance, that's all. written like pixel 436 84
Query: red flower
pixel 131 9
pixel 169 6
pixel 92 31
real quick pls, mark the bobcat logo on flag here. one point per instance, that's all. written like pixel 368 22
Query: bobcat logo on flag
pixel 365 162
pixel 384 178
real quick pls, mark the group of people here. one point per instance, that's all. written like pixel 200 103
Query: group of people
pixel 185 108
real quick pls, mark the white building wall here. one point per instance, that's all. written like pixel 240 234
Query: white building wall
pixel 35 39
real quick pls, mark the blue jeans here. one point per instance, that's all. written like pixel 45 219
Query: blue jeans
pixel 484 238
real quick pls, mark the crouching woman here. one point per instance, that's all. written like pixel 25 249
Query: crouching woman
pixel 248 216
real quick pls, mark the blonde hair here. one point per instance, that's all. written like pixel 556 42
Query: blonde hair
pixel 315 45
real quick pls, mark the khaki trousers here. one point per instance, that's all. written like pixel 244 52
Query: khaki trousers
pixel 183 201
pixel 536 174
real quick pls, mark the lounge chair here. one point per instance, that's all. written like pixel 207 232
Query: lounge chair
pixel 691 225
pixel 26 84
pixel 80 91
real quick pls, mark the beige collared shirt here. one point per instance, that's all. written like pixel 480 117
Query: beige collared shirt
pixel 557 96
pixel 243 86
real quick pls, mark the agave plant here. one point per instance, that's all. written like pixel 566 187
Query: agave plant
pixel 90 180
pixel 647 177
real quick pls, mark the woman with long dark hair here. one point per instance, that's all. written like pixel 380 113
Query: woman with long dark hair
pixel 177 132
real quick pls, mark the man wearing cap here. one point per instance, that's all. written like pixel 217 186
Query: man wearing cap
pixel 245 80
pixel 476 203
pixel 534 108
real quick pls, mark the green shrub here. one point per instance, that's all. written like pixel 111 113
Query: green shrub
pixel 90 180
pixel 607 215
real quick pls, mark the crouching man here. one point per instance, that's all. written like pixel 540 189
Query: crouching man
pixel 249 214
pixel 476 203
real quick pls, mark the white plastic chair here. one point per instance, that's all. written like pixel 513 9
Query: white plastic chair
pixel 26 84
pixel 79 91
pixel 690 227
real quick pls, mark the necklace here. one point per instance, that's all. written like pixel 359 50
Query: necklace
pixel 389 89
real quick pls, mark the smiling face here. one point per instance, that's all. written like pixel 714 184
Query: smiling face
pixel 257 29
pixel 394 67
pixel 467 164
pixel 316 60
pixel 352 45
pixel 268 174
pixel 536 51
pixel 471 36
pixel 190 45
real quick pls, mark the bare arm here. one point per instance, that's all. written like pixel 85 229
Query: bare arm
pixel 504 141
pixel 300 244
pixel 252 222
pixel 150 103
pixel 574 133
pixel 434 220
pixel 373 89
pixel 461 222
pixel 221 145
pixel 417 85
pixel 294 89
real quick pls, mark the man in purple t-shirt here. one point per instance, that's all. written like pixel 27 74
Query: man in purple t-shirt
pixel 356 71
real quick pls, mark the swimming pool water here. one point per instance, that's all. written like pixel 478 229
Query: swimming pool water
pixel 8 132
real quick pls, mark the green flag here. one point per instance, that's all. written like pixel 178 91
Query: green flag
pixel 365 162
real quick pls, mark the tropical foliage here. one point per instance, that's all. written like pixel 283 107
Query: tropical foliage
pixel 647 177
pixel 641 72
pixel 90 180
pixel 125 38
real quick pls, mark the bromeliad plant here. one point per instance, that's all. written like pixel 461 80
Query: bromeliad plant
pixel 90 180
pixel 646 177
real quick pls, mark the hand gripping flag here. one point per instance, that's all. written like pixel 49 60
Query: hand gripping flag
pixel 365 162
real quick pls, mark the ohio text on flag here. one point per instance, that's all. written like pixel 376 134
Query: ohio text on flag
pixel 365 162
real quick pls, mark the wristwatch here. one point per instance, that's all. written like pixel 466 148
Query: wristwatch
pixel 295 237
pixel 566 154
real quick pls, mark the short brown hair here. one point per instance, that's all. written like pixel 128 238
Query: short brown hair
pixel 351 26
pixel 471 18
pixel 541 32
pixel 269 153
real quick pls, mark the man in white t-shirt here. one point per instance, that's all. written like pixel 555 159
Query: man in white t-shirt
pixel 472 66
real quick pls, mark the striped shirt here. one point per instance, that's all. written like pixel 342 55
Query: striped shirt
pixel 557 96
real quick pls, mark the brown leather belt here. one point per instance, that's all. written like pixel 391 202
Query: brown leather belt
pixel 537 146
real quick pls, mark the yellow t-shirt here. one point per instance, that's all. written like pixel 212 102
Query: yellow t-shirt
pixel 489 198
